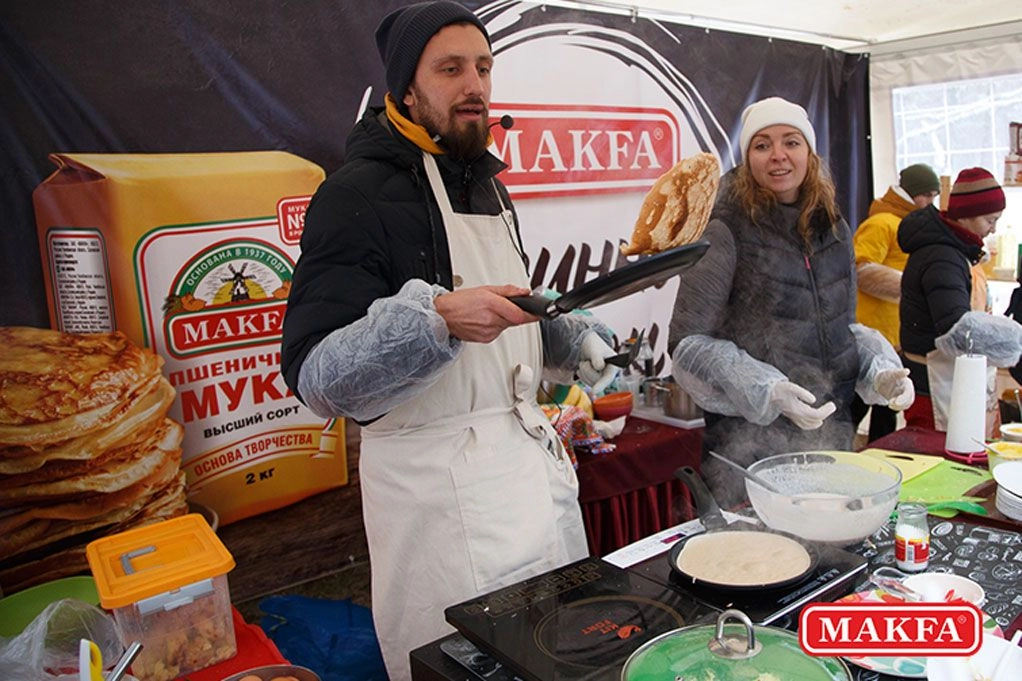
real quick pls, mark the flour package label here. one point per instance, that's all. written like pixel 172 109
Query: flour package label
pixel 192 256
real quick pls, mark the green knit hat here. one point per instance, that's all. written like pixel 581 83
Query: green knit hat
pixel 919 179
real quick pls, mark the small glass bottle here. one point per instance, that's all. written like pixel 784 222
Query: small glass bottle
pixel 911 538
pixel 645 356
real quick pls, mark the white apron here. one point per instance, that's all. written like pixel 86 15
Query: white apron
pixel 467 487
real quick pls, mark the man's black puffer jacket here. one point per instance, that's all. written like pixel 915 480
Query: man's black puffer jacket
pixel 372 226
pixel 937 283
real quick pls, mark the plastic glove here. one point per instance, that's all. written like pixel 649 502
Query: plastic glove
pixel 593 370
pixel 999 338
pixel 896 387
pixel 796 403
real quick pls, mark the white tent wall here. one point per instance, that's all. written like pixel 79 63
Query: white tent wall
pixel 923 67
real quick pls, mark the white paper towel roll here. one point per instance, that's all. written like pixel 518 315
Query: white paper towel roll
pixel 966 424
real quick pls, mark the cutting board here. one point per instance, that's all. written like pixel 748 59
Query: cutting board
pixel 947 481
pixel 910 465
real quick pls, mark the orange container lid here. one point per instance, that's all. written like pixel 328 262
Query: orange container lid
pixel 145 561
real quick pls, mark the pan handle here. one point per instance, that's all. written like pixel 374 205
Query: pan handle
pixel 536 304
pixel 706 506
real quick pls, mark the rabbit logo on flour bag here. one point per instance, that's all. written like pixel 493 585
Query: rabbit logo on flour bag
pixel 192 255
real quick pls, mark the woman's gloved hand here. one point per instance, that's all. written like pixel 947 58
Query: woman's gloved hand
pixel 895 386
pixel 796 403
pixel 593 370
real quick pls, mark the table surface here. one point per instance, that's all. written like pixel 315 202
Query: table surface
pixel 646 453
pixel 922 441
pixel 965 544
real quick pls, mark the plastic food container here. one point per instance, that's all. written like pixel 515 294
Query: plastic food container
pixel 166 585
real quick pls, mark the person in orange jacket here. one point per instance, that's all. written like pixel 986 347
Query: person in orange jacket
pixel 879 262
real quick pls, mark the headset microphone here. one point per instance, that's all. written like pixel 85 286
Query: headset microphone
pixel 506 122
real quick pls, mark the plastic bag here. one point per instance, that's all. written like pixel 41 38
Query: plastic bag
pixel 48 647
pixel 335 639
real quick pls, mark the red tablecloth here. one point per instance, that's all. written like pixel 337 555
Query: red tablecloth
pixel 631 492
pixel 912 440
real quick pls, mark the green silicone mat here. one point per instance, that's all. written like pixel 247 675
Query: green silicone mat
pixel 947 481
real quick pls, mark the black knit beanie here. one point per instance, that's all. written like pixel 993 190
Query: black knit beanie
pixel 402 36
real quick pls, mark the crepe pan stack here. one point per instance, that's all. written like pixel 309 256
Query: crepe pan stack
pixel 86 448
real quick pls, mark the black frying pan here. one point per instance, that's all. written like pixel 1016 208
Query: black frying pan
pixel 622 282
pixel 714 522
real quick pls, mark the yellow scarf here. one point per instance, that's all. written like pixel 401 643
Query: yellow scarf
pixel 413 131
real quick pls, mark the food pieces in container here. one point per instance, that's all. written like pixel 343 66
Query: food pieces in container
pixel 166 585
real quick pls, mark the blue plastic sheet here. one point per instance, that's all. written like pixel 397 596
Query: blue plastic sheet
pixel 334 638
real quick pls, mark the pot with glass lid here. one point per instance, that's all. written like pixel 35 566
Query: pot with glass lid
pixel 734 648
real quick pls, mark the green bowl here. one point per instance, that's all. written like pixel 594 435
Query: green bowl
pixel 19 609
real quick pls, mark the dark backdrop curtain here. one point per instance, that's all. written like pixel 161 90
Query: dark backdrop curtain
pixel 179 76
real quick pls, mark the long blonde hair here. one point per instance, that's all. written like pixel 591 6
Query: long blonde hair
pixel 817 195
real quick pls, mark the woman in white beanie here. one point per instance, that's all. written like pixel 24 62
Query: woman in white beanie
pixel 763 333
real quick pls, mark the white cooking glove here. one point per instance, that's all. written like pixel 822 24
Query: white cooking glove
pixel 796 403
pixel 592 369
pixel 896 387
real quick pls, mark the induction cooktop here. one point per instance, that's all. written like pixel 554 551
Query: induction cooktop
pixel 581 621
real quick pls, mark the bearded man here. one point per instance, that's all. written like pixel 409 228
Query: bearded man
pixel 399 318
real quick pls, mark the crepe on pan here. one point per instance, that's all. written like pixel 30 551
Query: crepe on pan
pixel 677 207
pixel 143 412
pixel 55 386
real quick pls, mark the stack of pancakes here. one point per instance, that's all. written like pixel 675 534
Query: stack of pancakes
pixel 86 448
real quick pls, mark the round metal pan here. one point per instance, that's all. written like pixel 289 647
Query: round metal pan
pixel 715 523
pixel 624 281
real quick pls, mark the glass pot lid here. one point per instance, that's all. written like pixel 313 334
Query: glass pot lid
pixel 730 650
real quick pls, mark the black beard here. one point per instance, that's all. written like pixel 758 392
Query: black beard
pixel 466 144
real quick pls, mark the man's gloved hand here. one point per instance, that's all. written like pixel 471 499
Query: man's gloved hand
pixel 592 369
pixel 796 403
pixel 895 386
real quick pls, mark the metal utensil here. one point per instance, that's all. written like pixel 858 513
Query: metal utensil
pixel 623 359
pixel 126 659
pixel 1018 401
pixel 750 476
pixel 985 446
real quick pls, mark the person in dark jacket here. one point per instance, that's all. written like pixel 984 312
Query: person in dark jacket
pixel 937 318
pixel 763 333
pixel 399 317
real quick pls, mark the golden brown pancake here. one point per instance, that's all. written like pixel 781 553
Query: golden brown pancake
pixel 137 461
pixel 677 208
pixel 144 412
pixel 55 386
pixel 165 486
pixel 88 506
pixel 67 557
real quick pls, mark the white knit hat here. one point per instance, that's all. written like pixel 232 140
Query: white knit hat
pixel 774 111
